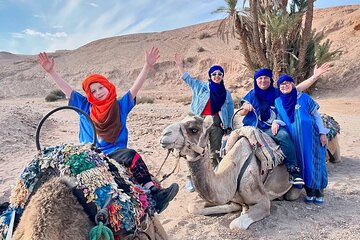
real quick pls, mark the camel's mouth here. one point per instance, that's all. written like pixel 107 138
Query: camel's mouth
pixel 167 145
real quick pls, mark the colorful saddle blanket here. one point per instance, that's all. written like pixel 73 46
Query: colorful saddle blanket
pixel 128 202
pixel 332 124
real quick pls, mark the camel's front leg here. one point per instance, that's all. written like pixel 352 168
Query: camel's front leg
pixel 201 207
pixel 253 214
pixel 254 197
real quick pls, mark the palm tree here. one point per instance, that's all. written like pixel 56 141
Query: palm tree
pixel 271 36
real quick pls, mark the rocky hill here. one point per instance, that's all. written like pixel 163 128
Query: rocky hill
pixel 121 58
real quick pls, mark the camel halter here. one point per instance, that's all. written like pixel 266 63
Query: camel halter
pixel 191 146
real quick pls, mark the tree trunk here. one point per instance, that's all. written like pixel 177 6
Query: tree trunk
pixel 305 39
pixel 257 44
pixel 243 43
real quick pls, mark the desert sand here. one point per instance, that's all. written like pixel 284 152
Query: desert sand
pixel 22 105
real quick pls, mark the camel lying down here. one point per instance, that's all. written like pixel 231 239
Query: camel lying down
pixel 237 184
pixel 54 213
pixel 47 208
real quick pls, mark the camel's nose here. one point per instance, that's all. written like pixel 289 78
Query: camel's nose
pixel 166 132
pixel 165 138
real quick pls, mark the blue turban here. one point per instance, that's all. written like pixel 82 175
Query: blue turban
pixel 288 100
pixel 284 78
pixel 266 97
pixel 214 68
pixel 263 72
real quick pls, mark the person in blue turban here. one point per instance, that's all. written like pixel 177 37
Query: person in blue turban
pixel 210 98
pixel 258 108
pixel 299 112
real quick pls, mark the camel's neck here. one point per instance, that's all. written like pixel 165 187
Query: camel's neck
pixel 212 187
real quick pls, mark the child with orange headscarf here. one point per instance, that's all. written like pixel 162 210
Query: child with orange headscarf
pixel 109 115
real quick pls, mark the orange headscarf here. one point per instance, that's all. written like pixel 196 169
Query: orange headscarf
pixel 104 113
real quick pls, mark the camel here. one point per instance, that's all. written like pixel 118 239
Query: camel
pixel 237 184
pixel 52 211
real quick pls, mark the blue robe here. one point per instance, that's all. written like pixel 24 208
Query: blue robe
pixel 305 134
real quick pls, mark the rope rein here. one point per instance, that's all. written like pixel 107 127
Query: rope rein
pixel 102 219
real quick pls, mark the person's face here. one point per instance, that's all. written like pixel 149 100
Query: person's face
pixel 263 82
pixel 286 87
pixel 217 76
pixel 99 91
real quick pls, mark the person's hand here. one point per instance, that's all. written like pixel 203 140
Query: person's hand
pixel 274 128
pixel 152 56
pixel 322 69
pixel 323 139
pixel 178 59
pixel 46 63
pixel 247 107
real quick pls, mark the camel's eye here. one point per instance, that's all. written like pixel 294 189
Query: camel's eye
pixel 194 130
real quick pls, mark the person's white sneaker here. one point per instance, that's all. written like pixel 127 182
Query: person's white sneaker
pixel 189 185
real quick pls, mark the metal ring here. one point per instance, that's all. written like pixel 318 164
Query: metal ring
pixel 238 112
pixel 78 110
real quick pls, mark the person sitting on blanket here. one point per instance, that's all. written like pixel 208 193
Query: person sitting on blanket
pixel 261 100
pixel 109 116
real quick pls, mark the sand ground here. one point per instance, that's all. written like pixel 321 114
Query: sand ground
pixel 337 219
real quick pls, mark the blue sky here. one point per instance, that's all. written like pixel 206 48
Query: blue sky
pixel 31 26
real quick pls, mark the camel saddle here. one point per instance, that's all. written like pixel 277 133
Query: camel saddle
pixel 266 150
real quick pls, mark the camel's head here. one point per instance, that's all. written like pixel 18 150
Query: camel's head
pixel 192 130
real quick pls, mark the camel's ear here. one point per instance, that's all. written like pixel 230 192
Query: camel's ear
pixel 204 138
pixel 208 121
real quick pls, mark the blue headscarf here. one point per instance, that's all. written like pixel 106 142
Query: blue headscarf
pixel 217 91
pixel 288 100
pixel 265 97
pixel 215 68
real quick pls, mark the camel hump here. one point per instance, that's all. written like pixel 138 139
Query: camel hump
pixel 266 150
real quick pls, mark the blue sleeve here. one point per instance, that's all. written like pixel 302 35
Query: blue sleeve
pixel 312 105
pixel 127 102
pixel 79 101
pixel 320 123
pixel 231 107
pixel 194 84
pixel 249 97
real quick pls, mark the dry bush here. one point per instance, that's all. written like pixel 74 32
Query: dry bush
pixel 184 100
pixel 140 100
pixel 200 49
pixel 204 35
pixel 55 95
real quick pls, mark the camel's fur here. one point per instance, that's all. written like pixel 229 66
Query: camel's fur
pixel 334 148
pixel 54 213
pixel 219 188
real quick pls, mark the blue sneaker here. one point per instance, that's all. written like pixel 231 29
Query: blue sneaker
pixel 308 199
pixel 189 185
pixel 319 200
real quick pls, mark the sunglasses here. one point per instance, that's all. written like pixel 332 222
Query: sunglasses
pixel 217 73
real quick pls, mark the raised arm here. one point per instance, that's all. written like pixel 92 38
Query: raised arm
pixel 310 81
pixel 48 65
pixel 179 62
pixel 150 59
